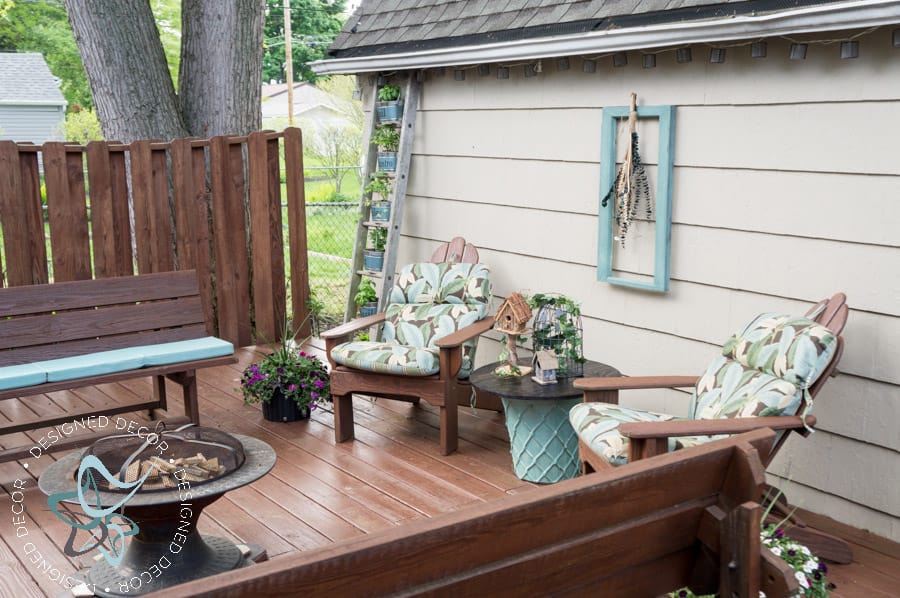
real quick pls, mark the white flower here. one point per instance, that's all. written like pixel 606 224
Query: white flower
pixel 776 550
pixel 801 577
pixel 810 566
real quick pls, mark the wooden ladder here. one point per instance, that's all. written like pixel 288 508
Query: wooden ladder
pixel 385 278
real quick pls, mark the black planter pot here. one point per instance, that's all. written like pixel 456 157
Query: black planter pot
pixel 281 409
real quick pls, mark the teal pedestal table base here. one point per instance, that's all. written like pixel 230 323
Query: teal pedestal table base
pixel 543 444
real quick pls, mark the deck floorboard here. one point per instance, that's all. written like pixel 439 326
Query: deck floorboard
pixel 319 492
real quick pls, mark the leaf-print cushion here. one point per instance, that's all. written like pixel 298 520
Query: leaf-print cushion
pixel 387 358
pixel 597 425
pixel 765 369
pixel 428 301
pixel 788 347
pixel 731 389
pixel 442 283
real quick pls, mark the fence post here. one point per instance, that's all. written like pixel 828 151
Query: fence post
pixel 296 201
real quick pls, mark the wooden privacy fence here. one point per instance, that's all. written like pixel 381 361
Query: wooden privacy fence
pixel 211 205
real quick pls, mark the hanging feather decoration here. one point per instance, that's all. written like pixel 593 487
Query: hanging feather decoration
pixel 630 185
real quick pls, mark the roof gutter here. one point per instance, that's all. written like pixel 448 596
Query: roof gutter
pixel 853 14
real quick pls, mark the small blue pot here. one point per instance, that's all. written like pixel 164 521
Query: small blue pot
pixel 373 260
pixel 381 211
pixel 368 309
pixel 389 111
pixel 387 161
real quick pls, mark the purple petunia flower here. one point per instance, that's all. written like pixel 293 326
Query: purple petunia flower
pixel 314 395
pixel 292 388
pixel 319 384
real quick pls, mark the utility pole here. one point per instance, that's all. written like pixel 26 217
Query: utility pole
pixel 289 58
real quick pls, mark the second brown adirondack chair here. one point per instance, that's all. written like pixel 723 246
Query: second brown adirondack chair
pixel 426 346
pixel 767 376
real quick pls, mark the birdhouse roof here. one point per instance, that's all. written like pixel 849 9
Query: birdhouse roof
pixel 546 360
pixel 516 305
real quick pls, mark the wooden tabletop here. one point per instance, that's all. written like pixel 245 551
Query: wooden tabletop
pixel 523 387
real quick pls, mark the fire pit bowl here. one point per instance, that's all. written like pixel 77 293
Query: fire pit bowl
pixel 167 549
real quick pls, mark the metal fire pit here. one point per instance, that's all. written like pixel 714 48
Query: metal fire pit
pixel 161 515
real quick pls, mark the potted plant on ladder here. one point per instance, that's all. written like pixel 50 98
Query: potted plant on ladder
pixel 373 256
pixel 387 139
pixel 389 107
pixel 380 184
pixel 366 297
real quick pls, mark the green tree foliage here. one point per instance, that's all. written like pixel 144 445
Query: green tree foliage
pixel 82 126
pixel 42 26
pixel 314 24
pixel 168 21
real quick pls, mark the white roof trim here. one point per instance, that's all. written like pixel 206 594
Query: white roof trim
pixel 853 14
pixel 60 103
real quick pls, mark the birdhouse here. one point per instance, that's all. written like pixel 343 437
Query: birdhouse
pixel 545 365
pixel 513 315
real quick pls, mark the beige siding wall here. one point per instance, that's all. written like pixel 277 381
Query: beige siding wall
pixel 786 190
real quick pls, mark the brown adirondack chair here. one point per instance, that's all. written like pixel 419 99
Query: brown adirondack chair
pixel 393 369
pixel 648 434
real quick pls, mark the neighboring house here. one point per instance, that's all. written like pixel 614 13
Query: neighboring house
pixel 32 108
pixel 785 186
pixel 311 104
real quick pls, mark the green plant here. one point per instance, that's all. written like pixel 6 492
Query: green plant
pixel 389 93
pixel 386 137
pixel 378 238
pixel 287 371
pixel 366 292
pixel 380 183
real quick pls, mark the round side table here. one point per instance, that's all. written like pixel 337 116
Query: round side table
pixel 543 444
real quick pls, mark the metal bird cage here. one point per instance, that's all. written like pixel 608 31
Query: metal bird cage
pixel 557 328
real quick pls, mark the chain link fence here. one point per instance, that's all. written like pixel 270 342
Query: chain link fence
pixel 331 221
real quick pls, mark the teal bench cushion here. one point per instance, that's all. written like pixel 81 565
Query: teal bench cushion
pixel 118 360
pixel 190 350
pixel 92 364
pixel 18 376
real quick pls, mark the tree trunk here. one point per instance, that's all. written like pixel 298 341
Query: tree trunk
pixel 221 66
pixel 126 68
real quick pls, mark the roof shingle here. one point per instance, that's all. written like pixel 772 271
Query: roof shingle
pixel 389 26
pixel 25 77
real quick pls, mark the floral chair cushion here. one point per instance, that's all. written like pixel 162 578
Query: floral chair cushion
pixel 388 358
pixel 764 370
pixel 428 301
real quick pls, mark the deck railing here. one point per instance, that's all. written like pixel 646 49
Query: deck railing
pixel 212 205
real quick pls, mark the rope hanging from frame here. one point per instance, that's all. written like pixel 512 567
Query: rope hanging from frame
pixel 630 185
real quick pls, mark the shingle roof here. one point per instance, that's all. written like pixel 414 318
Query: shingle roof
pixel 388 26
pixel 25 78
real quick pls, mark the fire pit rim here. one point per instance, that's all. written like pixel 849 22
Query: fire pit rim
pixel 259 460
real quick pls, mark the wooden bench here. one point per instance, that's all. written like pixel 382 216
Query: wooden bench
pixel 640 530
pixel 73 334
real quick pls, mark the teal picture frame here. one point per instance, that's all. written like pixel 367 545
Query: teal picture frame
pixel 663 195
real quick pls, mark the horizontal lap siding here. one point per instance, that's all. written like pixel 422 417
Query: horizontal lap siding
pixel 785 191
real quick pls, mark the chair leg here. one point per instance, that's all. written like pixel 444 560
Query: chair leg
pixel 449 427
pixel 343 417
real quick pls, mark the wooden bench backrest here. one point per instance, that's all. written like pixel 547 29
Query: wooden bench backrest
pixel 630 531
pixel 50 321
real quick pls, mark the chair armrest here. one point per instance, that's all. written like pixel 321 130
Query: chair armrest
pixel 462 335
pixel 708 427
pixel 352 326
pixel 451 346
pixel 634 382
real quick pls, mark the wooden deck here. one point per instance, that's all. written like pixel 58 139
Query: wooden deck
pixel 319 492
